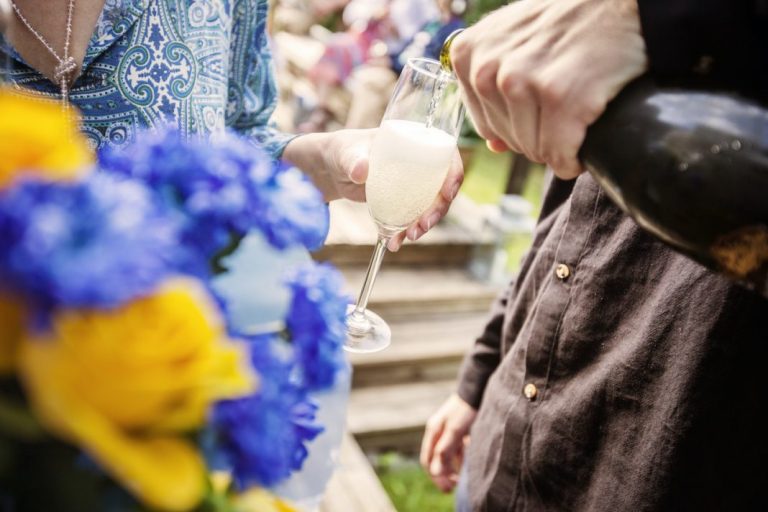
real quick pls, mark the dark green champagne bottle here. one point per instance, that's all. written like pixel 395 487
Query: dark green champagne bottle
pixel 692 168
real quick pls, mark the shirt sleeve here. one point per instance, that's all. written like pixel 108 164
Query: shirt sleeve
pixel 252 92
pixel 713 44
pixel 482 360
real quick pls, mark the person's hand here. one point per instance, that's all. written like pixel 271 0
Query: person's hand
pixel 348 161
pixel 439 207
pixel 442 449
pixel 537 73
pixel 337 162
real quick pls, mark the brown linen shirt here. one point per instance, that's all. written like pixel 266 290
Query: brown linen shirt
pixel 616 374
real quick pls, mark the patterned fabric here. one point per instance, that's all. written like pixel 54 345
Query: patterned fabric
pixel 199 64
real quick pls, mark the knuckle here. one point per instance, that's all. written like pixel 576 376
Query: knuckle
pixel 513 84
pixel 484 79
pixel 551 93
pixel 481 127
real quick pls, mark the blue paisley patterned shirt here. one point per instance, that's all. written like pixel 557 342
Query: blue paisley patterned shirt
pixel 200 64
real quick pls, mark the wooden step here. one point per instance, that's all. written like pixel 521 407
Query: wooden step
pixel 422 349
pixel 352 236
pixel 354 486
pixel 393 417
pixel 422 291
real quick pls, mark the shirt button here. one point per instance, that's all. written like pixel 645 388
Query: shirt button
pixel 562 271
pixel 530 391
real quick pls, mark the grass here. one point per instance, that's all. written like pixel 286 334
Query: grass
pixel 409 488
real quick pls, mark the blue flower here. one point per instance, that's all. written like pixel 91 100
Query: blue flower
pixel 97 243
pixel 208 183
pixel 293 212
pixel 225 187
pixel 316 322
pixel 263 437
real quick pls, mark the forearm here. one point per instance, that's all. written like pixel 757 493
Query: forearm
pixel 484 357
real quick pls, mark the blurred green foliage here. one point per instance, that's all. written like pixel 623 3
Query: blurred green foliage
pixel 409 487
pixel 479 8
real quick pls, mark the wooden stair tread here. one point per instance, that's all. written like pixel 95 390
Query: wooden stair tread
pixel 419 283
pixel 393 408
pixel 351 224
pixel 424 341
pixel 352 235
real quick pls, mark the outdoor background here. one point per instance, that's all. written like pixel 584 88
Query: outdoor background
pixel 333 73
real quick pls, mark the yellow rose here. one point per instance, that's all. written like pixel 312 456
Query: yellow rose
pixel 253 499
pixel 37 138
pixel 261 501
pixel 11 330
pixel 125 385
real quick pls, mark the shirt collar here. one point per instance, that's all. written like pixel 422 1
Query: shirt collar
pixel 117 17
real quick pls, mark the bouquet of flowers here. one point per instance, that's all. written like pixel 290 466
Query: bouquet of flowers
pixel 123 384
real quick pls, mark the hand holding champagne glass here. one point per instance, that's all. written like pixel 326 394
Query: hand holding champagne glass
pixel 409 160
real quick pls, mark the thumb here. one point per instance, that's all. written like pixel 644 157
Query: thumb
pixel 358 171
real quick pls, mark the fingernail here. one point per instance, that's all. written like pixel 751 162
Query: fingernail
pixel 455 191
pixel 392 246
pixel 433 219
pixel 413 233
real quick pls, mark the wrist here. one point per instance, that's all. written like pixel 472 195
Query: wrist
pixel 313 153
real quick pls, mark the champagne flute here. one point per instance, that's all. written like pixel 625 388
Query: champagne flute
pixel 408 162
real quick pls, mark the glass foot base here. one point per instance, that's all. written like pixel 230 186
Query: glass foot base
pixel 367 332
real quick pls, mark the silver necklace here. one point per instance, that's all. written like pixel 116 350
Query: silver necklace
pixel 66 63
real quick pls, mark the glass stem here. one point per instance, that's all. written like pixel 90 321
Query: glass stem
pixel 370 275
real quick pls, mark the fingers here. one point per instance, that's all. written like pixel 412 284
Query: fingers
pixel 446 457
pixel 461 53
pixel 497 146
pixel 428 219
pixel 522 109
pixel 396 242
pixel 561 136
pixel 494 118
pixel 453 179
pixel 431 435
pixel 442 202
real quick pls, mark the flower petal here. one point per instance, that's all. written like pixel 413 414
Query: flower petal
pixel 162 471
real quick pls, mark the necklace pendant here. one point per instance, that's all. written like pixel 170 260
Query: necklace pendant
pixel 65 67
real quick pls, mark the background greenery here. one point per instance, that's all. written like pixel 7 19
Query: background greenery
pixel 476 9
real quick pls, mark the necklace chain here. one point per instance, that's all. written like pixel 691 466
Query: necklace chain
pixel 66 63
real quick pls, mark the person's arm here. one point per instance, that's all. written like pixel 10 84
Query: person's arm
pixel 442 448
pixel 337 162
pixel 482 360
pixel 252 91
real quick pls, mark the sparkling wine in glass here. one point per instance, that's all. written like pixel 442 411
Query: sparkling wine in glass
pixel 408 163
